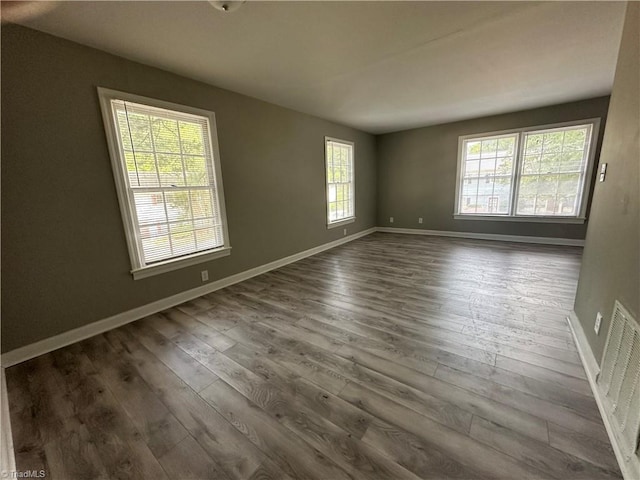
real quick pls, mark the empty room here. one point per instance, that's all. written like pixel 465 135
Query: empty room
pixel 320 240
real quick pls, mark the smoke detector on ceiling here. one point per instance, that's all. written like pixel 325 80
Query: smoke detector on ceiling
pixel 227 5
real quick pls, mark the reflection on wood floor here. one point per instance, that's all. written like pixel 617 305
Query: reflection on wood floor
pixel 389 357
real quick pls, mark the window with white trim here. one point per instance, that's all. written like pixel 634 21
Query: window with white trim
pixel 538 173
pixel 167 169
pixel 340 174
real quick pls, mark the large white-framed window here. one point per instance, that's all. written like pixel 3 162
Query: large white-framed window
pixel 539 174
pixel 166 166
pixel 341 184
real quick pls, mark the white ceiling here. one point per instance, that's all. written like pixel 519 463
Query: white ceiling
pixel 377 66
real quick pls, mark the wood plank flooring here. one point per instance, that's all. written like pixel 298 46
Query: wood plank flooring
pixel 391 357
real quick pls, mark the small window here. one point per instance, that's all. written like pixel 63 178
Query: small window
pixel 341 191
pixel 540 173
pixel 167 170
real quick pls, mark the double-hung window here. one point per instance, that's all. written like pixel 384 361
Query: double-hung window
pixel 341 186
pixel 534 174
pixel 167 171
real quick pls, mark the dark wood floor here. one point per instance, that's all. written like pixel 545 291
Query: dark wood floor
pixel 390 357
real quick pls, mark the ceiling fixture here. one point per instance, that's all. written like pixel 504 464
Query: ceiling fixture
pixel 227 5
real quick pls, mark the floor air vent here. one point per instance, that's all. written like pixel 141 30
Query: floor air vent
pixel 619 378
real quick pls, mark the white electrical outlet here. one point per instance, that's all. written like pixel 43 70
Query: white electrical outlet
pixel 419 219
pixel 205 275
pixel 345 231
pixel 390 219
pixel 596 327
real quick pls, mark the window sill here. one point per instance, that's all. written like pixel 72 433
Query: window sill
pixel 339 223
pixel 169 265
pixel 520 218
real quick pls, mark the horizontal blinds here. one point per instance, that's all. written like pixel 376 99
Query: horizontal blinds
pixel 168 167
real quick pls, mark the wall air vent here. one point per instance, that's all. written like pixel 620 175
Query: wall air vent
pixel 619 379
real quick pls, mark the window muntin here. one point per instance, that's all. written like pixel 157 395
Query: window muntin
pixel 340 180
pixel 487 174
pixel 537 172
pixel 553 169
pixel 167 171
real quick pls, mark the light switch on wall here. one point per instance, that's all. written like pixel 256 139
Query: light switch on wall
pixel 603 172
pixel 596 327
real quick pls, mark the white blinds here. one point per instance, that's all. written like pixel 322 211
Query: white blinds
pixel 340 181
pixel 171 182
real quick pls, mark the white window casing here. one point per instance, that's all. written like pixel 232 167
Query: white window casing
pixel 534 174
pixel 166 166
pixel 340 182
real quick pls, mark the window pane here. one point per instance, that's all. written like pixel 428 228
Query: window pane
pixel 165 135
pixel 562 156
pixel 526 204
pixel 487 175
pixel 156 248
pixel 533 144
pixel 473 148
pixel 191 138
pixel 576 138
pixel 196 171
pixel 528 185
pixel 206 238
pixel 171 171
pixel 340 181
pixel 571 161
pixel 178 205
pixel 506 146
pixel 531 164
pixel 166 157
pixel 134 131
pixel 553 142
pixel 489 148
pixel 183 239
pixel 149 207
pixel 201 205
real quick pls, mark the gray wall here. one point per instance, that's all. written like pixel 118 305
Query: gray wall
pixel 611 259
pixel 417 172
pixel 64 256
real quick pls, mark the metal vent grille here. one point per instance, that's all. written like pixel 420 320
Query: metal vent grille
pixel 619 378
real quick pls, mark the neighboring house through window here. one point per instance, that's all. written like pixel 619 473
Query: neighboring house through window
pixel 167 171
pixel 340 175
pixel 537 174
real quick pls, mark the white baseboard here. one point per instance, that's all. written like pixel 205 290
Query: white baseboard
pixel 78 334
pixel 486 236
pixel 630 467
pixel 7 458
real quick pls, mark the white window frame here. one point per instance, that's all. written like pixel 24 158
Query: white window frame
pixel 138 268
pixel 513 216
pixel 351 219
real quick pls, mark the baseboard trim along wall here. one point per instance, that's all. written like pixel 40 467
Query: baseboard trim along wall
pixel 630 467
pixel 67 338
pixel 486 236
pixel 78 334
